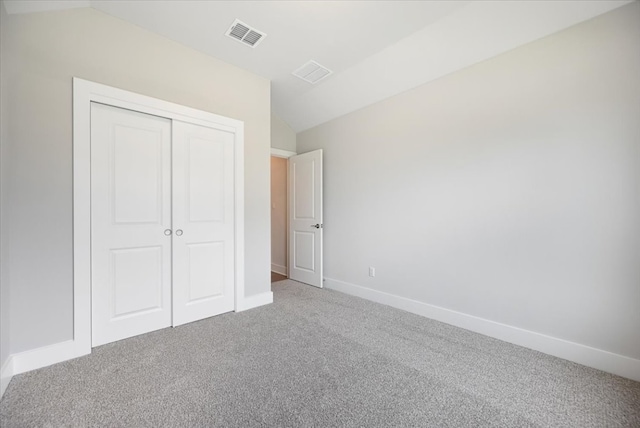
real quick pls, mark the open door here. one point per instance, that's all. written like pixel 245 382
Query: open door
pixel 305 218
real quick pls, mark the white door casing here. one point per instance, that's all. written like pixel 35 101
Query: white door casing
pixel 305 218
pixel 203 222
pixel 130 199
pixel 84 94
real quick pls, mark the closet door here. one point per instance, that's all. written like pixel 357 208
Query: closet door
pixel 131 223
pixel 203 222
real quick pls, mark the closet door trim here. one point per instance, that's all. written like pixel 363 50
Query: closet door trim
pixel 84 93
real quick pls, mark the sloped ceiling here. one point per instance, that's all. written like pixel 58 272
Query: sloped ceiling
pixel 376 49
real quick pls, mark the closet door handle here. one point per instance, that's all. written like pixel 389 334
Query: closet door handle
pixel 167 232
pixel 179 232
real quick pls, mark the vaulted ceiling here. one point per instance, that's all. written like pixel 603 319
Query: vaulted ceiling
pixel 376 49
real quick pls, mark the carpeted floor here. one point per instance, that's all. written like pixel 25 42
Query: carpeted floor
pixel 318 358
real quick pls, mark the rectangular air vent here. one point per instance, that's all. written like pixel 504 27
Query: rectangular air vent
pixel 245 34
pixel 312 72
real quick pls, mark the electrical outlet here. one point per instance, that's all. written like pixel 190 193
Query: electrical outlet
pixel 372 271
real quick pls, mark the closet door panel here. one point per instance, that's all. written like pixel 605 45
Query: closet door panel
pixel 130 211
pixel 203 219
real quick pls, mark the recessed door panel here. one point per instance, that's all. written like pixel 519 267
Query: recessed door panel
pixel 205 182
pixel 304 257
pixel 206 271
pixel 303 190
pixel 130 211
pixel 136 174
pixel 136 280
pixel 203 219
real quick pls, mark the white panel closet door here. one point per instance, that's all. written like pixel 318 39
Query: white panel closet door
pixel 130 211
pixel 305 218
pixel 203 219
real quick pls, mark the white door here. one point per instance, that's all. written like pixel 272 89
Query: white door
pixel 203 222
pixel 162 212
pixel 131 220
pixel 305 218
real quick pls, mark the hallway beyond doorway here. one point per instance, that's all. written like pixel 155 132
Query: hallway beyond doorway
pixel 275 277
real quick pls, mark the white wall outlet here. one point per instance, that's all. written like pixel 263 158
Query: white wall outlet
pixel 372 271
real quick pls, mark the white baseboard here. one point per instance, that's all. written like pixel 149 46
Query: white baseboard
pixel 6 373
pixel 47 355
pixel 251 302
pixel 37 358
pixel 282 270
pixel 581 354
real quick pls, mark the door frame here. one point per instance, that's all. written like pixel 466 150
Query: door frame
pixel 84 93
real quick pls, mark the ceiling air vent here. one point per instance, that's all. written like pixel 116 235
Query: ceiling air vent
pixel 312 72
pixel 245 34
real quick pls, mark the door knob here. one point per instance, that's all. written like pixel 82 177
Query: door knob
pixel 179 232
pixel 167 232
pixel 317 226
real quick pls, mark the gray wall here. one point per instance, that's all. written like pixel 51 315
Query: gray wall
pixel 5 319
pixel 47 50
pixel 282 136
pixel 508 190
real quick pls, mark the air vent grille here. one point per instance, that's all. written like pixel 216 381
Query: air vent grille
pixel 312 72
pixel 245 34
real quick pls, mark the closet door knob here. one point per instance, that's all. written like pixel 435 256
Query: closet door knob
pixel 167 232
pixel 179 232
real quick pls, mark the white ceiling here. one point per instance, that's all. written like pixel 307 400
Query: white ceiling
pixel 376 49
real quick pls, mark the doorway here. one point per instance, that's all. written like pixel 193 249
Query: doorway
pixel 296 217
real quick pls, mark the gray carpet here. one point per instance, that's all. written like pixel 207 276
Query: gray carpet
pixel 318 358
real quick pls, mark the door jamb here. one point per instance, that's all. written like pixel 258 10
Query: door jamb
pixel 279 153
